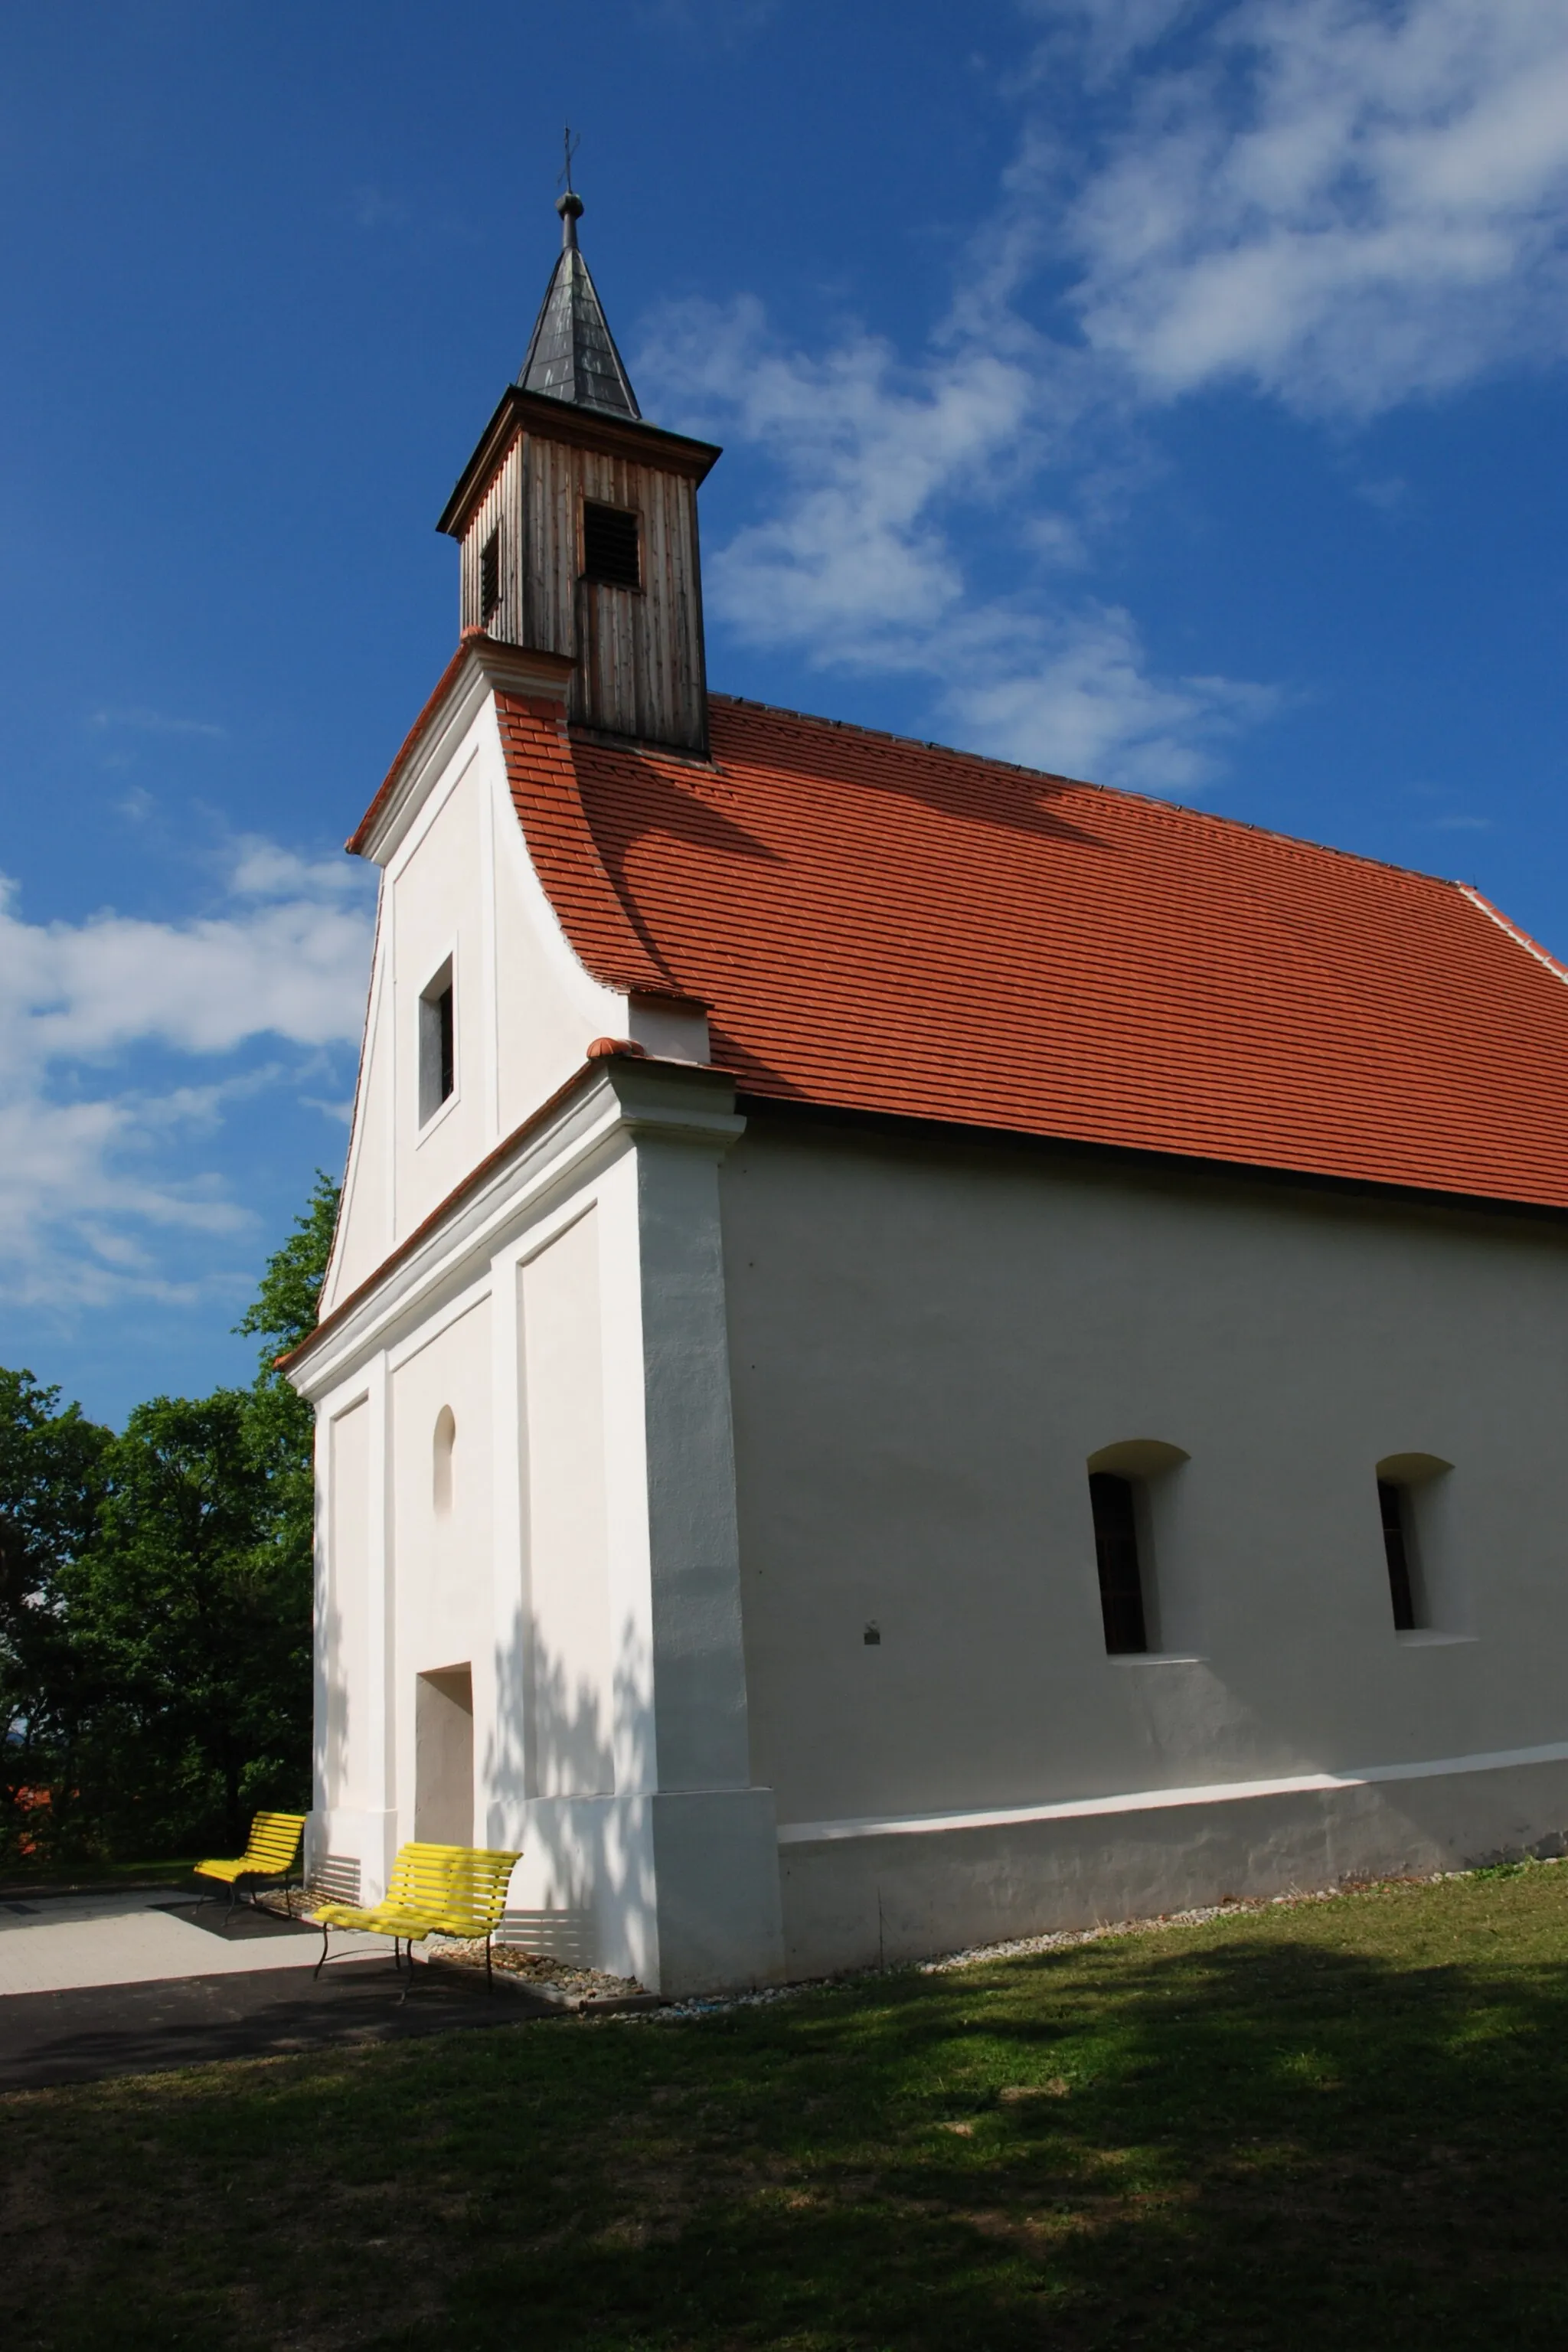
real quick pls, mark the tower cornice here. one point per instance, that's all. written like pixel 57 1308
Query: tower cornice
pixel 582 428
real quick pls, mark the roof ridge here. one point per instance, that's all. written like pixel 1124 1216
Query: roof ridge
pixel 1294 841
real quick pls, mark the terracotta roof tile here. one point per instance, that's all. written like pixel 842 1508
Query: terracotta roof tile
pixel 547 795
pixel 887 926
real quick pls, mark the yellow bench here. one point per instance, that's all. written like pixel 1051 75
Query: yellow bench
pixel 272 1852
pixel 435 1890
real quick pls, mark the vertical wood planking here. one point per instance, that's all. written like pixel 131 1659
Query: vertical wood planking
pixel 494 512
pixel 638 656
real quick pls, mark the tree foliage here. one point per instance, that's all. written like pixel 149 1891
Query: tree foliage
pixel 155 1594
pixel 51 1485
pixel 280 1425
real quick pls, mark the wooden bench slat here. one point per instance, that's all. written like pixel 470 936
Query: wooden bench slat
pixel 270 1852
pixel 434 1890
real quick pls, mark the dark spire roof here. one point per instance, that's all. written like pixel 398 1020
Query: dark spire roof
pixel 572 353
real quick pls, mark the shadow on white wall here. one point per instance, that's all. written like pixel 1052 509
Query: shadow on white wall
pixel 555 1734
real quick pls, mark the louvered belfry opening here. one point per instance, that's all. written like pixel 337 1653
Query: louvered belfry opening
pixel 489 579
pixel 577 522
pixel 1114 1506
pixel 611 546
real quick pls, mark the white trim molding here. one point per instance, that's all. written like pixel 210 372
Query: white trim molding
pixel 1151 1801
pixel 612 1105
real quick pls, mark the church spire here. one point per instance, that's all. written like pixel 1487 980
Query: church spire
pixel 577 523
pixel 572 355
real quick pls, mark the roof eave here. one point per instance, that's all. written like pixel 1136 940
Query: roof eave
pixel 930 1127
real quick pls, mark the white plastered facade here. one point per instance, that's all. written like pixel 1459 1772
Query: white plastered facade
pixel 525 1480
pixel 933 1344
pixel 719 1395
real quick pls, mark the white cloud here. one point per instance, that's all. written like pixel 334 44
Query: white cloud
pixel 1343 203
pixel 141 721
pixel 858 566
pixel 853 563
pixel 90 1167
pixel 374 208
pixel 263 869
pixel 1340 203
pixel 1076 695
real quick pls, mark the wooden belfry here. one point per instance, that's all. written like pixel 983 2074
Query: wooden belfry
pixel 577 523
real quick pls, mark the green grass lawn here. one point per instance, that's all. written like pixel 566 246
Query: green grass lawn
pixel 1333 2124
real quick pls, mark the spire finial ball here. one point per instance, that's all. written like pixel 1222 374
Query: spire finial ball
pixel 570 206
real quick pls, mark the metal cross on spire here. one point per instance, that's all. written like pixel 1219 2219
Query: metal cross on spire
pixel 572 353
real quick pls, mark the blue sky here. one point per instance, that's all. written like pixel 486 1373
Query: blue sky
pixel 1167 393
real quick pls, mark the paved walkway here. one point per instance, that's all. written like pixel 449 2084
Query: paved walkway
pixel 129 1981
pixel 57 1943
pixel 83 2036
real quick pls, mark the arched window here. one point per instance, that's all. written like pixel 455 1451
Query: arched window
pixel 445 1442
pixel 1142 1600
pixel 1397 1549
pixel 1420 1579
pixel 1116 1550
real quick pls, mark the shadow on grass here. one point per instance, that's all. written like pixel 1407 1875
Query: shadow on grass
pixel 1283 2146
pixel 1250 2138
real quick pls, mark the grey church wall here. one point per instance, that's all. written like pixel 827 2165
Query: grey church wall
pixel 929 1346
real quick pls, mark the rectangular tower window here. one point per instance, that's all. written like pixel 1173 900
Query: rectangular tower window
pixel 1112 1501
pixel 1391 1504
pixel 489 578
pixel 610 551
pixel 438 1058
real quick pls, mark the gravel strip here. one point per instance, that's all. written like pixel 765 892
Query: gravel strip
pixel 1020 1946
pixel 576 1984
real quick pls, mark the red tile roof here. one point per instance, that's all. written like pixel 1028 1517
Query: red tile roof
pixel 887 926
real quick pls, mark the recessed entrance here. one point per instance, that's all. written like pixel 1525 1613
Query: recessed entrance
pixel 443 1757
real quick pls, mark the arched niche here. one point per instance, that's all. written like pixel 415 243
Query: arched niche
pixel 443 1447
pixel 1412 1469
pixel 1138 1457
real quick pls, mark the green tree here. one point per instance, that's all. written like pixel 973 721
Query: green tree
pixel 281 1425
pixel 191 1633
pixel 191 1608
pixel 155 1594
pixel 51 1484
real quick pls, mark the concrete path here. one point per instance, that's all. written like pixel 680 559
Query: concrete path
pixel 57 1943
pixel 85 2035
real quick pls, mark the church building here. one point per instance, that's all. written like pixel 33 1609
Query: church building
pixel 916 1351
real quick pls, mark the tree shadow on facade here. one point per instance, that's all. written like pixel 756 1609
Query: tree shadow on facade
pixel 555 1747
pixel 330 1732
